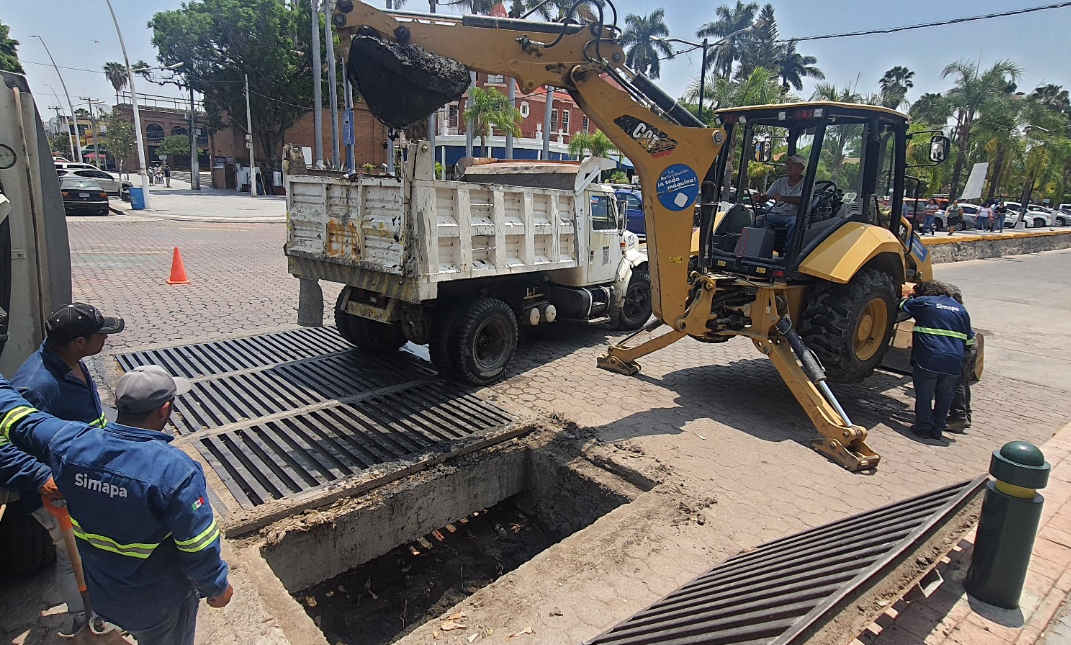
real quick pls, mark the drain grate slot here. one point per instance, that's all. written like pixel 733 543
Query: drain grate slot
pixel 784 591
pixel 286 413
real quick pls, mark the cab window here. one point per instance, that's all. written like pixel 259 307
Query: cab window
pixel 603 213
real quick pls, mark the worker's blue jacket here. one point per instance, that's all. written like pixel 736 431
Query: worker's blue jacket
pixel 145 530
pixel 942 333
pixel 47 383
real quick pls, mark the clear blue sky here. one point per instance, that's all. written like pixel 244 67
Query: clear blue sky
pixel 80 35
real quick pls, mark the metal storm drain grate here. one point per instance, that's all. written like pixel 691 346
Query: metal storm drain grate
pixel 786 591
pixel 281 414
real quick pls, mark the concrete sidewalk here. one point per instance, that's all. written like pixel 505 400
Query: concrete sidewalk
pixel 178 202
pixel 950 617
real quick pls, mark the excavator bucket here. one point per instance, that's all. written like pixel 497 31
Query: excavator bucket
pixel 403 84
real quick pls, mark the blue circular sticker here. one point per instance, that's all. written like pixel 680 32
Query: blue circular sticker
pixel 677 187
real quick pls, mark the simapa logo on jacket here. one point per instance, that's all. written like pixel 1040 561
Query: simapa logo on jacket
pixel 99 486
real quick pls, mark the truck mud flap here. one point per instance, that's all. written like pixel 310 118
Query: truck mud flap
pixel 820 586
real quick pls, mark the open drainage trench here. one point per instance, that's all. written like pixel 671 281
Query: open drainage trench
pixel 373 569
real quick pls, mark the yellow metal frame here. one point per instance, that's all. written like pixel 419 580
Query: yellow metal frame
pixel 654 145
pixel 840 256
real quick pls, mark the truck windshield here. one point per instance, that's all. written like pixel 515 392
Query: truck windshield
pixel 603 213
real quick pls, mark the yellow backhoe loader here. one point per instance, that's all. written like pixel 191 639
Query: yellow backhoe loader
pixel 817 295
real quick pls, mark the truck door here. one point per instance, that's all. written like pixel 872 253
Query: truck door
pixel 604 239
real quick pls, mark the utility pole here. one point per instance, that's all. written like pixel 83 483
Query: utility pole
pixel 332 85
pixel 66 126
pixel 96 131
pixel 546 124
pixel 142 165
pixel 350 138
pixel 703 78
pixel 195 164
pixel 77 136
pixel 511 94
pixel 249 142
pixel 317 89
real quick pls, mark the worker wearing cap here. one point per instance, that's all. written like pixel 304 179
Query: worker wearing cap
pixel 55 380
pixel 139 507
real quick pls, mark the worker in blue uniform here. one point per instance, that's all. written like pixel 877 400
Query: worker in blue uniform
pixel 55 380
pixel 148 539
pixel 938 347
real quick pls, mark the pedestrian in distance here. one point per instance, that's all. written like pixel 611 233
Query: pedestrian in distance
pixel 152 176
pixel 55 380
pixel 930 222
pixel 959 415
pixel 167 175
pixel 139 507
pixel 954 217
pixel 985 216
pixel 938 346
pixel 1000 211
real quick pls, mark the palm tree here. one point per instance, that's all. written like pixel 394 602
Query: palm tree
pixel 759 88
pixel 480 7
pixel 759 47
pixel 973 87
pixel 793 67
pixel 998 128
pixel 894 86
pixel 932 108
pixel 116 74
pixel 642 42
pixel 489 108
pixel 730 21
pixel 596 143
pixel 838 135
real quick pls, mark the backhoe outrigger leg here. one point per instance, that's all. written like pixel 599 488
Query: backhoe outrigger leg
pixel 621 358
pixel 841 441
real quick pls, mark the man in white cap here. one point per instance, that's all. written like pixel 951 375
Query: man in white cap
pixel 147 536
pixel 786 193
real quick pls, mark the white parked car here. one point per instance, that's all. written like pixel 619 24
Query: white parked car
pixel 110 182
pixel 1062 215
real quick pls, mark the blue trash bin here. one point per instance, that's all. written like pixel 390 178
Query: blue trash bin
pixel 137 198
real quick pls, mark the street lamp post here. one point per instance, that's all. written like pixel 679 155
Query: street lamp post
pixel 703 78
pixel 77 135
pixel 142 165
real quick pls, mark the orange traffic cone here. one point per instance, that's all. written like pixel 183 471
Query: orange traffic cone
pixel 178 270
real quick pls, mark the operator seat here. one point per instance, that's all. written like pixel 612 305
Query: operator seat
pixel 728 230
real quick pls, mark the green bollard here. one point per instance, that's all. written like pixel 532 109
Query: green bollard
pixel 1011 512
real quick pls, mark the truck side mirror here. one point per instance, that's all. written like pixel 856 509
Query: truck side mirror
pixel 940 146
pixel 622 214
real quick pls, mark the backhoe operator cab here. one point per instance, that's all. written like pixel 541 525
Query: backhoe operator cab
pixel 851 154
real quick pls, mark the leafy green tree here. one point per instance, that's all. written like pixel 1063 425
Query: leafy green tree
pixel 596 143
pixel 840 137
pixel 219 42
pixel 759 47
pixel 61 143
pixel 932 108
pixel 488 108
pixel 973 86
pixel 730 21
pixel 792 67
pixel 761 87
pixel 177 145
pixel 9 51
pixel 894 86
pixel 122 141
pixel 641 40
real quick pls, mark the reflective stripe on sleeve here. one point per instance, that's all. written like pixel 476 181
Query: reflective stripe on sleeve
pixel 12 418
pixel 200 542
pixel 105 543
pixel 99 422
pixel 941 332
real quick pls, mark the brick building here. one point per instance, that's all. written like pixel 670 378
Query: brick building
pixel 162 117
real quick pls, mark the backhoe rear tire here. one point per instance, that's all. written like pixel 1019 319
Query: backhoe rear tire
pixel 483 341
pixel 848 326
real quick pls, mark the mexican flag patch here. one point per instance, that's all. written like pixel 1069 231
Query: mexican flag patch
pixel 199 503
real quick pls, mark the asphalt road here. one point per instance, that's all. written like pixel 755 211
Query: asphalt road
pixel 1023 306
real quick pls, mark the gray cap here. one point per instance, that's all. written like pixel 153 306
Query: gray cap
pixel 146 388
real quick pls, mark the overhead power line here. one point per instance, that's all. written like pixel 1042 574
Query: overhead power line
pixel 939 23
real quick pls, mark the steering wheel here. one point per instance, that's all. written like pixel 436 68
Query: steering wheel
pixel 824 187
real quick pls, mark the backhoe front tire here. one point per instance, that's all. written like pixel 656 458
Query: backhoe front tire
pixel 848 326
pixel 483 341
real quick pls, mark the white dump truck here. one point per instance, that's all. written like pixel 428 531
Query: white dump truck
pixel 460 265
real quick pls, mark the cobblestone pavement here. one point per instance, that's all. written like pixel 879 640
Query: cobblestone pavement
pixel 713 425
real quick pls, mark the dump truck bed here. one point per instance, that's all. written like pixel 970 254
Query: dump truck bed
pixel 407 237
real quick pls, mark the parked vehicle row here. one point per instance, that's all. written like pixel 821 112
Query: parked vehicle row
pixel 85 189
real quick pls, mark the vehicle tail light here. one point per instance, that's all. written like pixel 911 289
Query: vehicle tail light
pixel 102 195
pixel 65 193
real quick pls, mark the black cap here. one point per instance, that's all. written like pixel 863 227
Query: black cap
pixel 79 319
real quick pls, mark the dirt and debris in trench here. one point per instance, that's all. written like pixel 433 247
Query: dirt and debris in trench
pixel 381 601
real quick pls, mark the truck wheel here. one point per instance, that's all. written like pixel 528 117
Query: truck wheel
pixel 344 318
pixel 439 342
pixel 25 545
pixel 483 341
pixel 848 326
pixel 636 310
pixel 377 337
